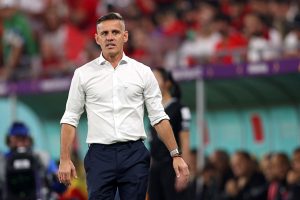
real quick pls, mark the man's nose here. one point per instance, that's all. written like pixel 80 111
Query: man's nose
pixel 109 37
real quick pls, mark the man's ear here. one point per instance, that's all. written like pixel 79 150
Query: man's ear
pixel 97 38
pixel 125 39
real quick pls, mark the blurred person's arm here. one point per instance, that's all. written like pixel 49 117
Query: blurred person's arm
pixel 184 140
pixel 12 61
pixel 184 134
pixel 15 41
pixel 184 137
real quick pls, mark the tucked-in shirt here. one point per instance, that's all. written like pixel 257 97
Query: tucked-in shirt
pixel 114 100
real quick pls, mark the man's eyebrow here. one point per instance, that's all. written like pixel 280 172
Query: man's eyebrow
pixel 105 31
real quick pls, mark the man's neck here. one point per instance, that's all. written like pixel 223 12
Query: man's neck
pixel 113 59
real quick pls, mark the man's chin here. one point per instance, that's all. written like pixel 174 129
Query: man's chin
pixel 111 53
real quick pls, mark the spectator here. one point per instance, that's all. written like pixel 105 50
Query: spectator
pixel 280 167
pixel 230 49
pixel 293 177
pixel 63 36
pixel 34 10
pixel 265 166
pixel 292 40
pixel 18 43
pixel 206 187
pixel 140 50
pixel 237 10
pixel 263 43
pixel 83 14
pixel 200 47
pixel 41 182
pixel 221 162
pixel 282 13
pixel 260 7
pixel 248 183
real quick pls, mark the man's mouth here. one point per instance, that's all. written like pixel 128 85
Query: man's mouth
pixel 110 45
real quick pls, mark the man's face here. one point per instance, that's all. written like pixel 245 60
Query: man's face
pixel 19 141
pixel 240 165
pixel 111 36
pixel 279 168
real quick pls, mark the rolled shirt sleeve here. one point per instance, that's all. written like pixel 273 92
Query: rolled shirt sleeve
pixel 75 102
pixel 153 99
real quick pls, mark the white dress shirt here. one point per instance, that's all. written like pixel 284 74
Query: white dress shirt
pixel 114 99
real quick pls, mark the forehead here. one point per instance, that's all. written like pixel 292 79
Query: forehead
pixel 110 25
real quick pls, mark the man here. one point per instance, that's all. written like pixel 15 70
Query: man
pixel 280 166
pixel 114 89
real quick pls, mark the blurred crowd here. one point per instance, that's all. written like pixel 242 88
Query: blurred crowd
pixel 239 176
pixel 242 177
pixel 49 38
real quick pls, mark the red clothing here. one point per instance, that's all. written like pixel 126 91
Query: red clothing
pixel 177 28
pixel 87 8
pixel 277 191
pixel 226 47
pixel 74 44
pixel 146 7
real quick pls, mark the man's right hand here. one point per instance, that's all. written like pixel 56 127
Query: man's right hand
pixel 66 172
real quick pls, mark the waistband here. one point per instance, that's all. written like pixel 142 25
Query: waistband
pixel 117 144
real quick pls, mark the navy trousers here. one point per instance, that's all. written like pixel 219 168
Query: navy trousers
pixel 122 165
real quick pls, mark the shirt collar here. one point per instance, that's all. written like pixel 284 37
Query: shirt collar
pixel 102 61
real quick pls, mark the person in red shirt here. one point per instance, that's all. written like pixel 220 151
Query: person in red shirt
pixel 231 48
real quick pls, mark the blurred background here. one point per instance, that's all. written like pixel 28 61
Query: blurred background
pixel 237 62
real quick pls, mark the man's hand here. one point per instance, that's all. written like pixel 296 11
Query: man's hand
pixel 182 173
pixel 66 172
pixel 181 183
pixel 293 177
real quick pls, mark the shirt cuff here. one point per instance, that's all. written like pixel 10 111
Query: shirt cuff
pixel 157 120
pixel 70 118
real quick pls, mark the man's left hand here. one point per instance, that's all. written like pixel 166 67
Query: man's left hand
pixel 182 172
